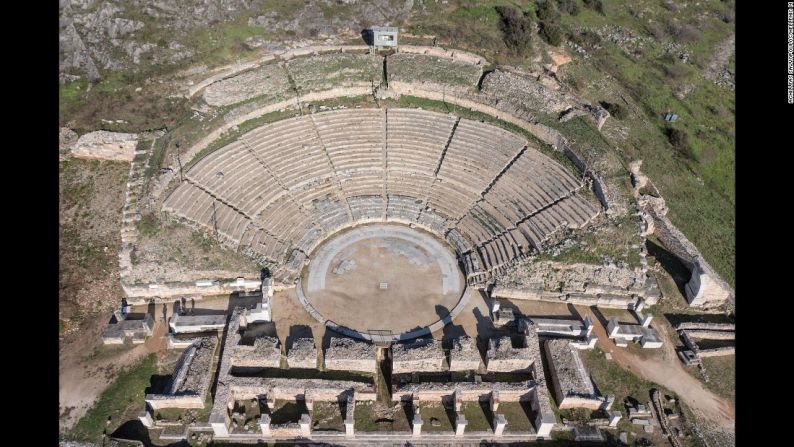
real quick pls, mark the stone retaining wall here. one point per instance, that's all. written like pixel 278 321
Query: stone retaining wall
pixel 705 288
pixel 608 301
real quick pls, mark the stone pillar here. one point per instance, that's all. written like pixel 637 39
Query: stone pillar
pixel 219 429
pixel 646 320
pixel 614 418
pixel 264 424
pixel 494 400
pixel 601 116
pixel 460 424
pixel 640 305
pixel 219 421
pixel 309 402
pixel 270 402
pixel 608 401
pixel 417 424
pixel 306 425
pixel 457 400
pixel 267 287
pixel 349 416
pixel 146 419
pixel 588 325
pixel 544 423
pixel 499 422
pixel 613 327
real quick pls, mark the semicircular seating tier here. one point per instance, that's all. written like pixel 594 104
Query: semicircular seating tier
pixel 282 188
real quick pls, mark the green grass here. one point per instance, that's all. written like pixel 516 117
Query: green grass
pixel 223 42
pixel 149 225
pixel 612 379
pixel 722 375
pixel 475 416
pixel 573 255
pixel 156 157
pixel 438 412
pixel 366 421
pixel 516 415
pixel 127 391
pixel 468 25
pixel 483 13
pixel 69 96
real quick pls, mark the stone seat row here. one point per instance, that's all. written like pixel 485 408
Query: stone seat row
pixel 262 245
pixel 305 177
pixel 249 197
pixel 404 208
pixel 416 139
pixel 571 212
pixel 367 208
pixel 194 204
pixel 408 185
pixel 478 153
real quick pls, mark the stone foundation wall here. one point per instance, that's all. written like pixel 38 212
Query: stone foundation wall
pixel 581 402
pixel 608 301
pixel 716 352
pixel 104 145
pixel 422 355
pixel 159 401
pixel 503 357
pixel 587 284
pixel 464 355
pixel 468 391
pixel 347 354
pixel 142 294
pixel 303 354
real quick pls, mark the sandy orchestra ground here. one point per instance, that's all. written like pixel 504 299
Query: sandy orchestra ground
pixel 347 288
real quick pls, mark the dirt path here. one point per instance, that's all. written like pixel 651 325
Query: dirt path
pixel 82 379
pixel 668 372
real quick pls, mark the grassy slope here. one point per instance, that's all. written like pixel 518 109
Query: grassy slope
pixel 699 190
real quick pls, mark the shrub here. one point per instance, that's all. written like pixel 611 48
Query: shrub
pixel 149 225
pixel 516 28
pixel 680 141
pixel 549 22
pixel 595 5
pixel 614 109
pixel 551 34
pixel 670 6
pixel 569 7
pixel 586 39
pixel 685 33
pixel 655 30
pixel 676 71
pixel 546 11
